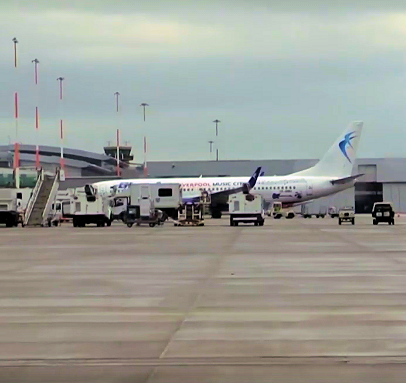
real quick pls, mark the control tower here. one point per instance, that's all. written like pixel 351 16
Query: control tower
pixel 124 152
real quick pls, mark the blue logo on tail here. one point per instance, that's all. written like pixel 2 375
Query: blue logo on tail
pixel 347 141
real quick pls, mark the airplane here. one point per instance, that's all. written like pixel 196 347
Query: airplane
pixel 332 174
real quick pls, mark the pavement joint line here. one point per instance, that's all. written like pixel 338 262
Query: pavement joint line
pixel 200 288
pixel 209 361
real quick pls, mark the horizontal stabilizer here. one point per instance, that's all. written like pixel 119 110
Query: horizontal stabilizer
pixel 342 181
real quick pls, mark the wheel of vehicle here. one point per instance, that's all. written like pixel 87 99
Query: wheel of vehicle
pixel 108 223
pixel 353 221
pixel 49 223
pixel 261 223
pixel 393 221
pixel 375 222
pixel 102 224
pixel 129 224
pixel 317 216
pixel 231 222
pixel 216 214
pixel 9 224
pixel 152 224
pixel 56 223
pixel 322 216
pixel 339 221
pixel 235 223
pixel 256 223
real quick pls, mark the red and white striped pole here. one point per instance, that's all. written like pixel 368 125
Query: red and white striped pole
pixel 37 159
pixel 60 79
pixel 16 164
pixel 117 95
pixel 118 153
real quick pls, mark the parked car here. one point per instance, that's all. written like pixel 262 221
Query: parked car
pixel 383 212
pixel 346 214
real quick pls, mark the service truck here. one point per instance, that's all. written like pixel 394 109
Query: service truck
pixel 246 208
pixel 12 205
pixel 89 207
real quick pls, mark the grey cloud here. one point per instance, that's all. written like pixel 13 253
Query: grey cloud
pixel 187 6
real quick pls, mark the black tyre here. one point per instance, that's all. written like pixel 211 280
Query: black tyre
pixel 393 221
pixel 353 221
pixel 375 222
pixel 129 224
pixel 152 224
pixel 339 221
pixel 261 223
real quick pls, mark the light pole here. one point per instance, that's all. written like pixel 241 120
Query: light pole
pixel 217 133
pixel 117 94
pixel 144 104
pixel 211 147
pixel 217 130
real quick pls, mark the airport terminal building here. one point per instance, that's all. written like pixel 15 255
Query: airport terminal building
pixel 384 178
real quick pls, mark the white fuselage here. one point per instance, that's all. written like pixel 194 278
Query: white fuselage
pixel 286 189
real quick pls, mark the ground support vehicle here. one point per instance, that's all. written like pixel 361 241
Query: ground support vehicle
pixel 190 214
pixel 322 212
pixel 277 210
pixel 133 216
pixel 55 215
pixel 246 208
pixel 383 212
pixel 346 214
pixel 332 212
pixel 89 207
pixel 12 206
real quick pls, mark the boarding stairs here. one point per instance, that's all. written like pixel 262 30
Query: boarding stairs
pixel 42 198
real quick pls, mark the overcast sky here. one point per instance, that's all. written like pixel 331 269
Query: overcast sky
pixel 285 78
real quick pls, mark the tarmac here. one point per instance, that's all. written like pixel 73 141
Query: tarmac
pixel 302 300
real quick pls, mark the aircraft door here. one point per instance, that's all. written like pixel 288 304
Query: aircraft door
pixel 309 188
